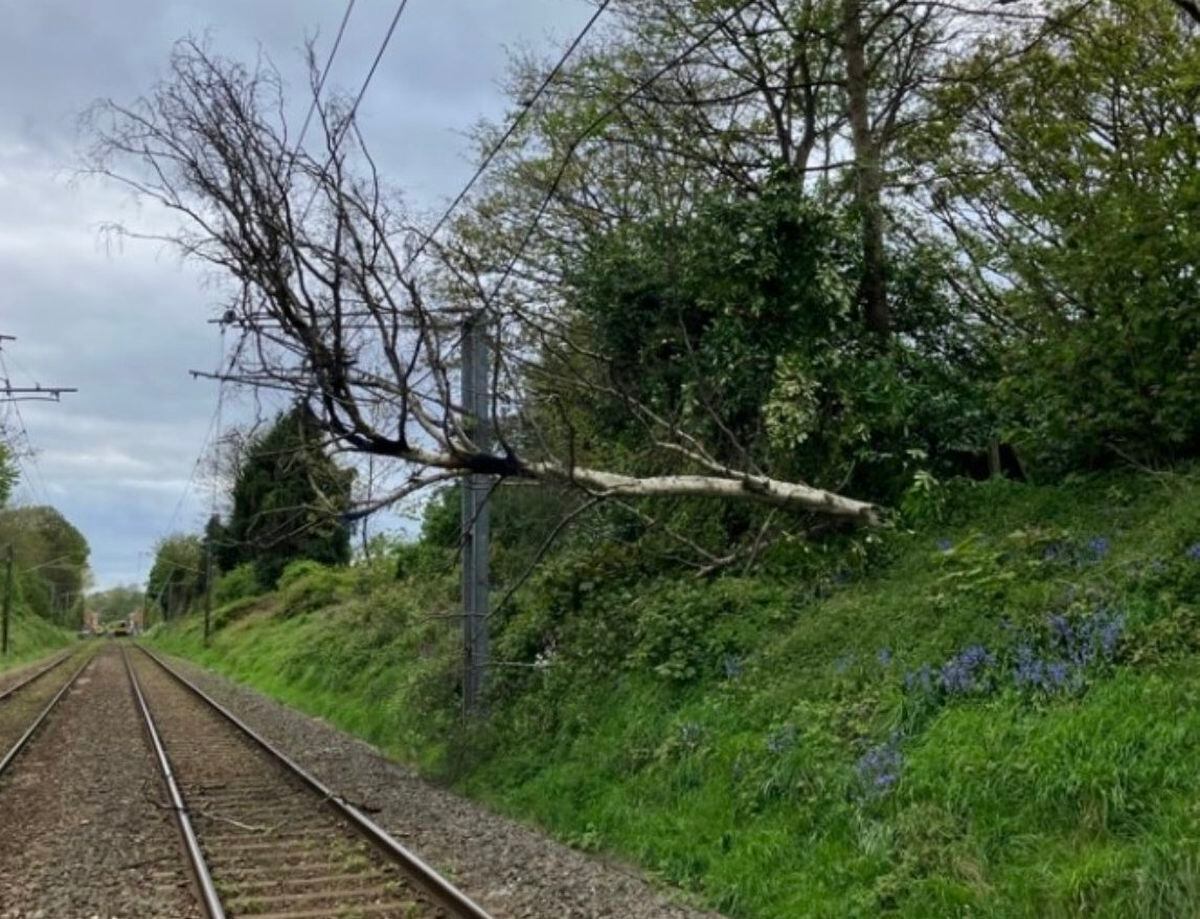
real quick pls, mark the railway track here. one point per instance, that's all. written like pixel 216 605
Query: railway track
pixel 264 838
pixel 26 705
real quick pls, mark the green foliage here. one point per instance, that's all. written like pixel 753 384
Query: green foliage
pixel 176 579
pixel 306 586
pixel 1096 195
pixel 723 732
pixel 288 503
pixel 9 473
pixel 741 325
pixel 31 636
pixel 239 584
pixel 51 558
pixel 522 517
pixel 116 603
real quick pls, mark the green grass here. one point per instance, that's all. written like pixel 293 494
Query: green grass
pixel 31 637
pixel 712 731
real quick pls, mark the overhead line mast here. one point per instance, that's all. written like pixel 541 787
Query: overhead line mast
pixel 35 393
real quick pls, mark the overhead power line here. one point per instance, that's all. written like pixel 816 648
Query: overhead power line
pixel 324 74
pixel 598 122
pixel 526 106
pixel 350 116
pixel 35 393
pixel 11 395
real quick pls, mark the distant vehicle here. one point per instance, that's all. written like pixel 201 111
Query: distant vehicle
pixel 120 629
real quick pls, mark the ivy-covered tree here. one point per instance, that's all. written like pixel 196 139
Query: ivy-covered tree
pixel 289 502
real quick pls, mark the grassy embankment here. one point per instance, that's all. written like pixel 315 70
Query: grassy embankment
pixel 31 637
pixel 996 713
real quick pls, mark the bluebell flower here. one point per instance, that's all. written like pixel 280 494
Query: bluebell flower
pixel 1099 546
pixel 1110 634
pixel 919 679
pixel 1030 671
pixel 1057 674
pixel 1193 552
pixel 1061 630
pixel 962 673
pixel 944 545
pixel 884 656
pixel 879 768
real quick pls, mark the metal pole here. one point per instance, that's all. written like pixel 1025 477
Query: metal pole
pixel 475 516
pixel 8 589
pixel 208 587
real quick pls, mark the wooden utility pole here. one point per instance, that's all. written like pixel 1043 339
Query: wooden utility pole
pixel 476 515
pixel 8 589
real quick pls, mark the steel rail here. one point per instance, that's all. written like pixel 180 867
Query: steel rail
pixel 12 690
pixel 200 873
pixel 440 889
pixel 45 713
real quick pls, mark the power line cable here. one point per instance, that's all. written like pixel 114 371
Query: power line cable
pixel 349 119
pixel 597 122
pixel 526 106
pixel 40 484
pixel 324 74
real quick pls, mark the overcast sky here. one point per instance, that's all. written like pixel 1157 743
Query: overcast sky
pixel 126 326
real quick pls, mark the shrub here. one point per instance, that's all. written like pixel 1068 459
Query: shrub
pixel 306 586
pixel 238 584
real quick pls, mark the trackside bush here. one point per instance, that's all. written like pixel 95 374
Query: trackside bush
pixel 306 586
pixel 238 584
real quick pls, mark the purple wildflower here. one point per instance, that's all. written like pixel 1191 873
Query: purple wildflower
pixel 1057 674
pixel 962 673
pixel 1030 672
pixel 1099 547
pixel 884 656
pixel 920 679
pixel 879 768
pixel 944 545
pixel 1061 631
pixel 1193 552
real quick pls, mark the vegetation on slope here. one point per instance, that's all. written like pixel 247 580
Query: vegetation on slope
pixel 30 637
pixel 992 712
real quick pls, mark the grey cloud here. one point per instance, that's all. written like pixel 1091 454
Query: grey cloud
pixel 126 326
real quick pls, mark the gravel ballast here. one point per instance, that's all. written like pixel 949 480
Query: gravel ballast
pixel 512 870
pixel 85 831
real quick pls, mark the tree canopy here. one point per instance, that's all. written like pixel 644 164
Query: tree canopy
pixel 787 255
pixel 289 502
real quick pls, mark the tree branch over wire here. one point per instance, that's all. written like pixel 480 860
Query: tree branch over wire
pixel 331 314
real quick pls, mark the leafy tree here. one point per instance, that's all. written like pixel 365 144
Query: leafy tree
pixel 116 603
pixel 1076 190
pixel 9 473
pixel 289 499
pixel 176 577
pixel 740 324
pixel 51 554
